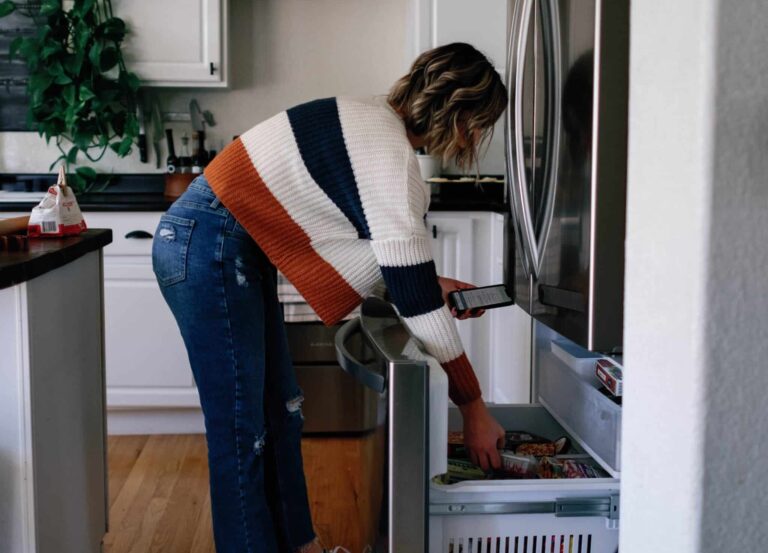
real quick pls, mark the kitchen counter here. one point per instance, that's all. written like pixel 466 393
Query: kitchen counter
pixel 48 254
pixel 52 389
pixel 145 193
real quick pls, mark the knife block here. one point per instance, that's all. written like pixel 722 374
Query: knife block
pixel 177 183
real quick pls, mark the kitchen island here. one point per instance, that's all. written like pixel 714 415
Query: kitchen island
pixel 53 495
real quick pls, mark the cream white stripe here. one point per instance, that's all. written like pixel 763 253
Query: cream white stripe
pixel 437 331
pixel 354 261
pixel 275 154
pixel 380 155
pixel 401 253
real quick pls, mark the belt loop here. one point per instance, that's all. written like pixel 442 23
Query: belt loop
pixel 215 203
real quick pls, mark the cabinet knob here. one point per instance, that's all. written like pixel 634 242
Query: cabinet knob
pixel 434 231
pixel 213 68
pixel 138 234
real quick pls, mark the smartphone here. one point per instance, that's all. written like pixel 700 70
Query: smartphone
pixel 485 297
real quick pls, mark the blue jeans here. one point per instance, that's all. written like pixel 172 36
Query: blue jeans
pixel 221 289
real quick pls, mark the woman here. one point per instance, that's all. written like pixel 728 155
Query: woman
pixel 329 192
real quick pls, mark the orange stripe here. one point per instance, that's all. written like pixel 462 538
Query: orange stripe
pixel 238 185
pixel 463 386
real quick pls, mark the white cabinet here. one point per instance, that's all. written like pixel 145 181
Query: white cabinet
pixel 150 388
pixel 181 43
pixel 53 488
pixel 481 23
pixel 470 246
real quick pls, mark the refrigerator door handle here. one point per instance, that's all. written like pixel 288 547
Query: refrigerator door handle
pixel 553 87
pixel 517 50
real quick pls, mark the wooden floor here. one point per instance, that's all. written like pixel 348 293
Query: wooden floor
pixel 159 501
pixel 158 495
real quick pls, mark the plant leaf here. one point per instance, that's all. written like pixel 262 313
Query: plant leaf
pixel 113 29
pixel 50 7
pixel 94 54
pixel 82 139
pixel 86 172
pixel 69 94
pixel 6 8
pixel 50 50
pixel 15 46
pixel 125 146
pixel 72 155
pixel 108 59
pixel 86 93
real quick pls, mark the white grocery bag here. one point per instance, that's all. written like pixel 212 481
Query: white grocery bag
pixel 58 213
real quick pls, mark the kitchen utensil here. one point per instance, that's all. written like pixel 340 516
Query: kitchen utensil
pixel 157 129
pixel 196 116
pixel 142 139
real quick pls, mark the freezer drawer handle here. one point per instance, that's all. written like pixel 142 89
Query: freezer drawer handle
pixel 607 507
pixel 361 372
pixel 522 508
pixel 588 507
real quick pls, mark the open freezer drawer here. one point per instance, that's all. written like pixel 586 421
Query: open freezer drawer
pixel 524 516
pixel 507 516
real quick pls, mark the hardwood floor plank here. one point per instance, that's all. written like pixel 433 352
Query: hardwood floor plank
pixel 123 452
pixel 160 503
pixel 184 511
pixel 140 506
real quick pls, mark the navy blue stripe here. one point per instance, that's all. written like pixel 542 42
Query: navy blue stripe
pixel 317 129
pixel 414 289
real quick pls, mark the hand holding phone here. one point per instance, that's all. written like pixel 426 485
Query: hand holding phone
pixel 484 297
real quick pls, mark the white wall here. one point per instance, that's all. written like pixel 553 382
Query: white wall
pixel 696 318
pixel 282 52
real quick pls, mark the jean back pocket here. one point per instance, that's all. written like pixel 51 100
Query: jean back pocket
pixel 170 247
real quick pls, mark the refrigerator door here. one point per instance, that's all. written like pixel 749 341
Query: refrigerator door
pixel 577 204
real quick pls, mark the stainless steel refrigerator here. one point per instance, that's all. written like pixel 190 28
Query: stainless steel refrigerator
pixel 566 149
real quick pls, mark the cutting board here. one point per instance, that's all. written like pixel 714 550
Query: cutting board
pixel 14 225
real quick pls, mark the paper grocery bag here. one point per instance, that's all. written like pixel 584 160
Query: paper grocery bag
pixel 58 213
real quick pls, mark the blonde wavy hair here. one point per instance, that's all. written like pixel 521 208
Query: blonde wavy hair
pixel 451 95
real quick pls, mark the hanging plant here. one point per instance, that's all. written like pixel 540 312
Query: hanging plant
pixel 82 96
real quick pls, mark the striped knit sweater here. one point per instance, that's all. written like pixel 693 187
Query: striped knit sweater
pixel 331 192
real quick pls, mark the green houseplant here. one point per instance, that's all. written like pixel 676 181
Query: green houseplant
pixel 81 94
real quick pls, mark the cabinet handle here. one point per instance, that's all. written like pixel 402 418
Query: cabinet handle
pixel 138 234
pixel 434 231
pixel 213 68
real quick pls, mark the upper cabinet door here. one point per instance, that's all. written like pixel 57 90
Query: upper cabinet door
pixel 481 23
pixel 179 43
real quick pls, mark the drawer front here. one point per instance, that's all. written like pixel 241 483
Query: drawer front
pixel 131 231
pixel 578 404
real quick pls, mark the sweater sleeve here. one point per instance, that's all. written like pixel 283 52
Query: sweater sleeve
pixel 411 279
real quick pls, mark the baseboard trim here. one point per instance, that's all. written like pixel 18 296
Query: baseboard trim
pixel 123 422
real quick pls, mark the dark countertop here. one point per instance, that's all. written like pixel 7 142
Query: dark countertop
pixel 47 254
pixel 144 192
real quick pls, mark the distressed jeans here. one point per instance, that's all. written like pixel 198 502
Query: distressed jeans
pixel 221 289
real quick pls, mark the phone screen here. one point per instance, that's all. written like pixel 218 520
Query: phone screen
pixel 489 296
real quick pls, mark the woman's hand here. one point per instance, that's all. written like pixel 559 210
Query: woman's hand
pixel 483 436
pixel 448 285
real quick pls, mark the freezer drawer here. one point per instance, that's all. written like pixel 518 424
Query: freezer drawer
pixel 524 516
pixel 512 516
